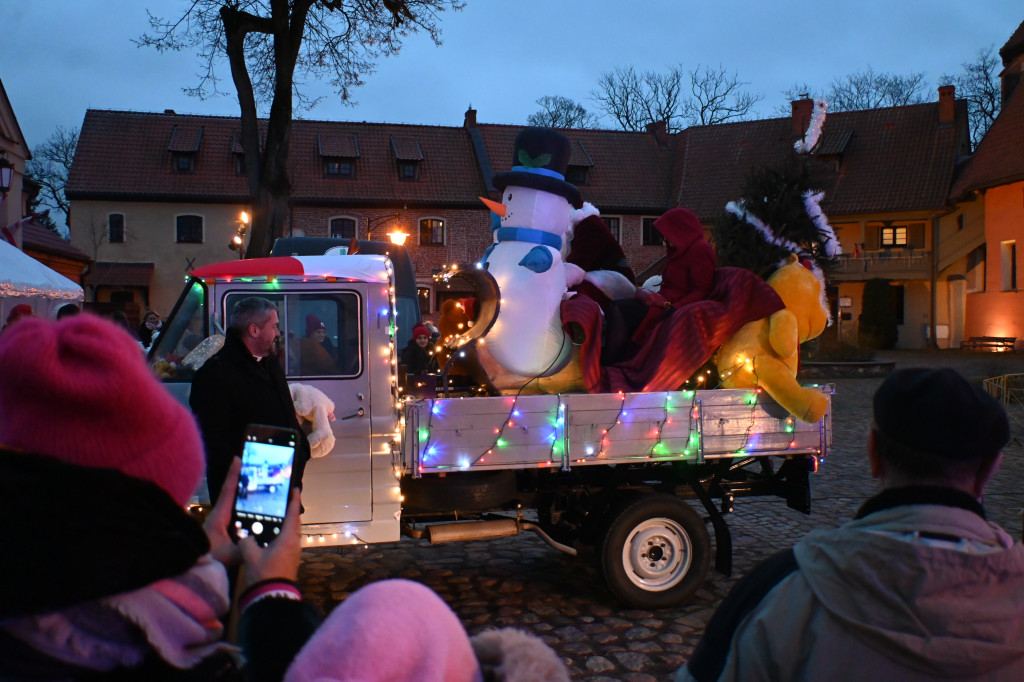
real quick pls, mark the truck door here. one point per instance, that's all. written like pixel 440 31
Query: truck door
pixel 324 347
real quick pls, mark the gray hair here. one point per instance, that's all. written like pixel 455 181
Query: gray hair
pixel 250 310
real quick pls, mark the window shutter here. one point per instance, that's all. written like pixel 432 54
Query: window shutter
pixel 915 235
pixel 871 237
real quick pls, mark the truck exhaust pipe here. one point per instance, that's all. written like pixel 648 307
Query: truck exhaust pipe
pixel 472 530
pixel 486 530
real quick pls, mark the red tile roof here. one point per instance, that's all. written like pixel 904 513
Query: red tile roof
pixel 345 146
pixel 185 139
pixel 1013 46
pixel 999 158
pixel 406 148
pixel 629 173
pixel 45 240
pixel 892 159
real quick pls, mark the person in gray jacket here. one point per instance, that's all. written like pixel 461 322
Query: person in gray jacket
pixel 919 586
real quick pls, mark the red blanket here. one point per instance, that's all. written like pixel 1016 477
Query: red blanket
pixel 680 341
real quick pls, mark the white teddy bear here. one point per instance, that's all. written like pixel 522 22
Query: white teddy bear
pixel 313 405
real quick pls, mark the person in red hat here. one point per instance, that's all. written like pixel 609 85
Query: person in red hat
pixel 314 357
pixel 415 356
pixel 17 312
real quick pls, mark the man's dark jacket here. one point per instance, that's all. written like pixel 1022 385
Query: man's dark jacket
pixel 232 390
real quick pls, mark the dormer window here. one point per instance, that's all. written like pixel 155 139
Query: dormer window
pixel 337 167
pixel 576 175
pixel 338 155
pixel 184 162
pixel 579 164
pixel 407 170
pixel 184 148
pixel 408 156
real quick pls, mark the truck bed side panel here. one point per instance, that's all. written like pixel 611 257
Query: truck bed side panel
pixel 580 429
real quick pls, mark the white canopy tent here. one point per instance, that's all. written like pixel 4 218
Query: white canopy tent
pixel 23 279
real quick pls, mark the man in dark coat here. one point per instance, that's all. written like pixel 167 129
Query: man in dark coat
pixel 243 384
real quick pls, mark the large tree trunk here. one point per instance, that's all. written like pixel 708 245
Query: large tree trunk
pixel 267 168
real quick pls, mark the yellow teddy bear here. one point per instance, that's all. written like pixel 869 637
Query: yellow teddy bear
pixel 764 353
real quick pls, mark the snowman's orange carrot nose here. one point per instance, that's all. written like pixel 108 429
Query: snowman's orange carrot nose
pixel 495 206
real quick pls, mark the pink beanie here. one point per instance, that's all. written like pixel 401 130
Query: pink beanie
pixel 79 390
pixel 392 630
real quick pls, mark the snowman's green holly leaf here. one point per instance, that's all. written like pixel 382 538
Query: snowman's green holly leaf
pixel 528 161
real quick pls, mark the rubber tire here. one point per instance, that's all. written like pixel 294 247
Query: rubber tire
pixel 682 552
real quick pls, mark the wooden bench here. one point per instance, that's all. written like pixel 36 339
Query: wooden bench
pixel 990 343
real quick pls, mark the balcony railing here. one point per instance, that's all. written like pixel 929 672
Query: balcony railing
pixel 890 264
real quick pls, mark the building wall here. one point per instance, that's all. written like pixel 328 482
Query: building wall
pixel 150 237
pixel 70 268
pixel 995 311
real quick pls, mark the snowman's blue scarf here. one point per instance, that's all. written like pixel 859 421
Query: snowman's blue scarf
pixel 538 259
pixel 528 234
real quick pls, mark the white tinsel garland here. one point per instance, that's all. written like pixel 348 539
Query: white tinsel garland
pixel 810 138
pixel 738 209
pixel 812 204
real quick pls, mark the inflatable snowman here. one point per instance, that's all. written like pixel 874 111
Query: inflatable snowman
pixel 526 259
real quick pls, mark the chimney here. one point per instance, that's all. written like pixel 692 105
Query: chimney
pixel 947 103
pixel 802 110
pixel 659 129
pixel 470 120
pixel 170 112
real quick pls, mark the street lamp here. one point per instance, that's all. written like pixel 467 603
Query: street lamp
pixel 6 174
pixel 238 241
pixel 397 236
pixel 373 222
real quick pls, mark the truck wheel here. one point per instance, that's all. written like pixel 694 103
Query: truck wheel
pixel 656 552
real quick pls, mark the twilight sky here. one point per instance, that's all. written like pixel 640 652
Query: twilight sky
pixel 61 57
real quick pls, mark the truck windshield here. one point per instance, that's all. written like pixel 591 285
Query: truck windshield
pixel 174 351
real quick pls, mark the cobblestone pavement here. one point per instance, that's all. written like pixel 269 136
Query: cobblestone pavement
pixel 524 583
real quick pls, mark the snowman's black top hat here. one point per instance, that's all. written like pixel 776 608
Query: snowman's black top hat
pixel 541 156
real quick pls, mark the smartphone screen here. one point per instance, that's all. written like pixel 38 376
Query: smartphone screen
pixel 264 481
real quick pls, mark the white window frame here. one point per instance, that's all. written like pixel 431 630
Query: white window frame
pixel 354 220
pixel 419 231
pixel 201 217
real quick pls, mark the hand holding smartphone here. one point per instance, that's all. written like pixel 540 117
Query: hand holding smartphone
pixel 264 482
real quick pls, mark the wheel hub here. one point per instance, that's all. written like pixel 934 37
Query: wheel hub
pixel 657 554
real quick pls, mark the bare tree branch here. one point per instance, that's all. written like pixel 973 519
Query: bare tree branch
pixel 50 165
pixel 979 85
pixel 561 112
pixel 273 49
pixel 634 99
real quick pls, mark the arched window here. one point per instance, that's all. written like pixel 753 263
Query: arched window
pixel 343 227
pixel 431 232
pixel 115 228
pixel 189 229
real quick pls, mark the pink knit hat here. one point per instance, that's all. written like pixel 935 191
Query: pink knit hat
pixel 394 630
pixel 79 390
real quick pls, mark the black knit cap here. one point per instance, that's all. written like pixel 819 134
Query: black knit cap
pixel 939 412
pixel 539 161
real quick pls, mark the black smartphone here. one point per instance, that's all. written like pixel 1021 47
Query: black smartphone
pixel 264 482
